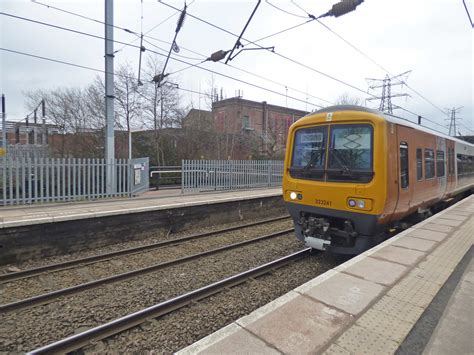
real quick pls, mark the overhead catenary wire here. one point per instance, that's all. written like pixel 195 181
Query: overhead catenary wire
pixel 282 10
pixel 204 59
pixel 83 16
pixel 205 69
pixel 117 74
pixel 114 26
pixel 82 67
pixel 367 57
pixel 287 58
pixel 80 32
pixel 184 62
pixel 274 52
pixel 182 56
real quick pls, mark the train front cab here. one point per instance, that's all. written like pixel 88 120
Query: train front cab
pixel 335 179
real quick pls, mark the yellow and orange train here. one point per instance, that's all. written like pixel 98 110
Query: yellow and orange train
pixel 351 173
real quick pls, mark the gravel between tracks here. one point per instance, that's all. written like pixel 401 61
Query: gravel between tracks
pixel 30 328
pixel 24 288
pixel 184 327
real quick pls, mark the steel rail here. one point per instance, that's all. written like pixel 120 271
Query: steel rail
pixel 129 251
pixel 46 297
pixel 118 325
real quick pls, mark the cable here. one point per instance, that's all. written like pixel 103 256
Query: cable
pixel 169 43
pixel 179 60
pixel 286 12
pixel 98 37
pixel 82 16
pixel 299 7
pixel 377 64
pixel 115 26
pixel 205 69
pixel 347 42
pixel 175 54
pixel 285 30
pixel 116 74
pixel 188 67
pixel 275 52
pixel 83 67
pixel 361 52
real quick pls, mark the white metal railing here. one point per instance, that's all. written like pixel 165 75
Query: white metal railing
pixel 36 180
pixel 220 175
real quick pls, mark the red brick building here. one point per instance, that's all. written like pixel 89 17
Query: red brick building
pixel 265 122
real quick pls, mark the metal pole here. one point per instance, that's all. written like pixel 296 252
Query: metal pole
pixel 109 96
pixel 129 144
pixel 4 124
pixel 3 156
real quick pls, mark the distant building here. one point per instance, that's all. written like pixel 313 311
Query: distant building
pixel 269 123
pixel 196 118
pixel 27 139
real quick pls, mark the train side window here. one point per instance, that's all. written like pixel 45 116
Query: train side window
pixel 404 177
pixel 429 164
pixel 419 164
pixel 439 163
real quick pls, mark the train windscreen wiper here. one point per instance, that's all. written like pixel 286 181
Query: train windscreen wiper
pixel 314 158
pixel 342 162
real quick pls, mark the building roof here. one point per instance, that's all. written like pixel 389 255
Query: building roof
pixel 257 104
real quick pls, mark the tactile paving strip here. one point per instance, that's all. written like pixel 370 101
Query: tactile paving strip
pixel 415 291
pixel 335 349
pixel 398 309
pixel 383 327
pixel 359 340
pixel 380 323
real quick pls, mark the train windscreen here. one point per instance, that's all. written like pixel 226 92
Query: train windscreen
pixel 337 152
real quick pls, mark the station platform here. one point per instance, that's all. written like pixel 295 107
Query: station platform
pixel 25 215
pixel 411 294
pixel 34 232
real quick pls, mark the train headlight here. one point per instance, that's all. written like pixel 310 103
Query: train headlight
pixel 360 203
pixel 293 195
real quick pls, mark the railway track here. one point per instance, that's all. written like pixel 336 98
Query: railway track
pixel 13 276
pixel 50 296
pixel 129 321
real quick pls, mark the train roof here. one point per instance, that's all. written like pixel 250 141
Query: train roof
pixel 390 118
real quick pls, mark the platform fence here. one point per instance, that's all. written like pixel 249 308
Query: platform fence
pixel 227 175
pixel 40 180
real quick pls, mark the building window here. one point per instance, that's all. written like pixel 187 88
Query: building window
pixel 429 164
pixel 439 163
pixel 404 177
pixel 245 122
pixel 419 164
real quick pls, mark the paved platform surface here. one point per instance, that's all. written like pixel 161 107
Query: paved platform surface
pixel 369 304
pixel 154 200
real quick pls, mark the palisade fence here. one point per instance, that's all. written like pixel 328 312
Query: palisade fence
pixel 221 175
pixel 36 180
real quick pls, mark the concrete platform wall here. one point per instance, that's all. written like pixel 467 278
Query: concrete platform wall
pixel 34 241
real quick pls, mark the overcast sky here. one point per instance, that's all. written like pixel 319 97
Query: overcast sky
pixel 432 38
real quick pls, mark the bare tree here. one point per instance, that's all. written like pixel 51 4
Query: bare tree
pixel 160 106
pixel 71 110
pixel 346 99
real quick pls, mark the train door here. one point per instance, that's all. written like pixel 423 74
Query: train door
pixel 441 171
pixel 450 171
pixel 406 167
